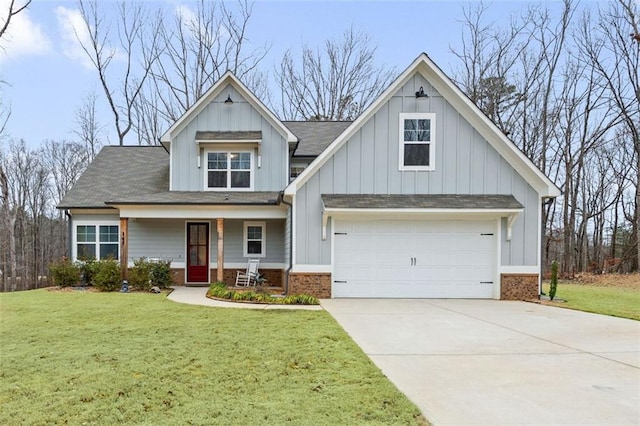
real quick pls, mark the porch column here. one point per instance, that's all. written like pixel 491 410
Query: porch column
pixel 124 246
pixel 220 260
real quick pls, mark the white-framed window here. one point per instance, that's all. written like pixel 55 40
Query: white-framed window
pixel 96 241
pixel 255 239
pixel 229 170
pixel 417 141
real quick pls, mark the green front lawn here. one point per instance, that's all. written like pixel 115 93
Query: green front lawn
pixel 111 358
pixel 615 301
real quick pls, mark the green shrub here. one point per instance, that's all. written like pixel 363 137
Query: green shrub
pixel 87 270
pixel 554 280
pixel 219 290
pixel 106 275
pixel 139 275
pixel 65 273
pixel 161 273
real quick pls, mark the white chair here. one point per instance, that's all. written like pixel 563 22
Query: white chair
pixel 248 277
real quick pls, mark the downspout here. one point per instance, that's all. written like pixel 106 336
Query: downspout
pixel 69 234
pixel 290 261
pixel 543 217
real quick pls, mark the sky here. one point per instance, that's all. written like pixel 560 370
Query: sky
pixel 46 74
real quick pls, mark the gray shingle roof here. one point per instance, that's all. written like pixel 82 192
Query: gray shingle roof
pixel 140 175
pixel 430 201
pixel 315 136
pixel 228 136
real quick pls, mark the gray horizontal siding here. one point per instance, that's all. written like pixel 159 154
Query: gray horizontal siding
pixel 465 163
pixel 165 239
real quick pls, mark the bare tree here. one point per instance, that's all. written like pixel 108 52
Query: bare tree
pixel 612 47
pixel 336 82
pixel 13 9
pixel 89 129
pixel 199 46
pixel 123 60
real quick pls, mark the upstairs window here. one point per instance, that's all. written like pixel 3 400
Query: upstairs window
pixel 229 170
pixel 417 141
pixel 295 172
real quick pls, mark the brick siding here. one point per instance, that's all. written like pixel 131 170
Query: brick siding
pixel 313 284
pixel 519 287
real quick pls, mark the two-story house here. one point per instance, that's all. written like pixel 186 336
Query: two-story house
pixel 421 196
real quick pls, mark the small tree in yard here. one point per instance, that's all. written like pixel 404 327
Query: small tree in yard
pixel 554 280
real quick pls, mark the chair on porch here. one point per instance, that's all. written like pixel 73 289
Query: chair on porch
pixel 248 277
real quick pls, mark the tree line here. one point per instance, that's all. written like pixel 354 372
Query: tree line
pixel 564 87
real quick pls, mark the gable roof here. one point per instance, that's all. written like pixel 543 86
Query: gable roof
pixel 447 88
pixel 227 79
pixel 315 136
pixel 139 175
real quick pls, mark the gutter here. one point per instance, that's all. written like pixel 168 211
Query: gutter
pixel 290 260
pixel 69 233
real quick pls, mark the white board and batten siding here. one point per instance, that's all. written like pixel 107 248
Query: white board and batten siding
pixel 465 163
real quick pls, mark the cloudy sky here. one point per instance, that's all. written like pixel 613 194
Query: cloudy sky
pixel 47 74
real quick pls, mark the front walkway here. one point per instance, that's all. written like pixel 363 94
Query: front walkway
pixel 198 296
pixel 471 362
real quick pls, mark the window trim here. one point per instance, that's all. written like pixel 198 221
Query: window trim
pixel 252 170
pixel 97 224
pixel 432 141
pixel 245 240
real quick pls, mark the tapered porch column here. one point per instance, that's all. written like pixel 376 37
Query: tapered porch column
pixel 124 246
pixel 220 260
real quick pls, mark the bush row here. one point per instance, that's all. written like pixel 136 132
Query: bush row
pixel 106 275
pixel 221 291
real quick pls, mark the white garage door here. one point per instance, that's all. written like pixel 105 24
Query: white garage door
pixel 414 259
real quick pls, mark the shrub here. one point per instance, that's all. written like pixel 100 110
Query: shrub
pixel 106 275
pixel 87 270
pixel 219 290
pixel 161 273
pixel 554 280
pixel 139 275
pixel 65 273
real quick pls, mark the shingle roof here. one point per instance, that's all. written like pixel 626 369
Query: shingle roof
pixel 228 136
pixel 315 136
pixel 430 201
pixel 140 175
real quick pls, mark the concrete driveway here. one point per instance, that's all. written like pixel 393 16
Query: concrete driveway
pixel 495 362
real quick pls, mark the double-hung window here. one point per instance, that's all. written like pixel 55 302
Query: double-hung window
pixel 229 170
pixel 97 242
pixel 417 141
pixel 255 239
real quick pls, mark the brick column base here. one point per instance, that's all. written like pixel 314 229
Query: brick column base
pixel 519 287
pixel 313 284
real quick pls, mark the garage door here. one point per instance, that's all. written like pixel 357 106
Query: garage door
pixel 414 259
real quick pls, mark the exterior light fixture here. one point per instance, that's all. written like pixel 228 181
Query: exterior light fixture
pixel 229 101
pixel 420 94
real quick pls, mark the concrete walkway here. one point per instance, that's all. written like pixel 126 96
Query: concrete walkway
pixel 472 362
pixel 197 296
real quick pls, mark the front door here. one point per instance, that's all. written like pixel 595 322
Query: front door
pixel 198 252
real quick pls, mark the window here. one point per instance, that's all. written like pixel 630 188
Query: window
pixel 254 239
pixel 229 170
pixel 295 172
pixel 417 135
pixel 97 242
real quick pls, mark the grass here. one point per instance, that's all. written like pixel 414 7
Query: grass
pixel 111 358
pixel 621 302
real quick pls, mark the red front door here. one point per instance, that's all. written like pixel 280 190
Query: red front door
pixel 197 252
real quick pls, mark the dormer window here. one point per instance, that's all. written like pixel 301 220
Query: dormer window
pixel 229 170
pixel 417 141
